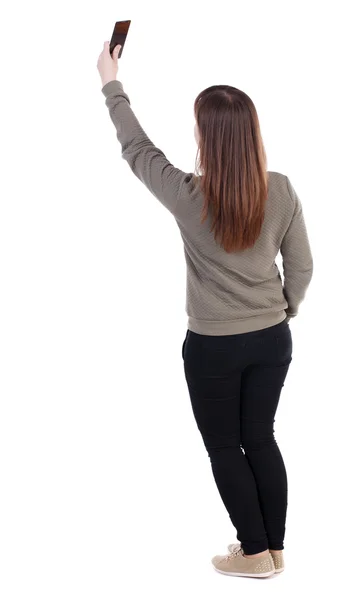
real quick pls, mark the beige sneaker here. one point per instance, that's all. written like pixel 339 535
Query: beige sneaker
pixel 277 558
pixel 236 564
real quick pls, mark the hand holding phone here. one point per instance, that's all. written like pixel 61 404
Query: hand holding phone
pixel 119 36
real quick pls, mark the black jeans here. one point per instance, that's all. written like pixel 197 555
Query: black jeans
pixel 235 383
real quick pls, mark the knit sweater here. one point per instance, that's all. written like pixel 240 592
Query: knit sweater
pixel 227 293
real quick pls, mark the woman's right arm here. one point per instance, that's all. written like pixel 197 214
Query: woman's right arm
pixel 297 257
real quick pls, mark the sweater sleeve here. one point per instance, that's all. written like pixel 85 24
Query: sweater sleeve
pixel 297 257
pixel 147 162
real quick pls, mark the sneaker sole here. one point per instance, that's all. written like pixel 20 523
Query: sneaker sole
pixel 257 575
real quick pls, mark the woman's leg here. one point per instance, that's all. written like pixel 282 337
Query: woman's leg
pixel 260 393
pixel 215 391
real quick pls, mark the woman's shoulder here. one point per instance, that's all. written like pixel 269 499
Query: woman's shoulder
pixel 276 176
pixel 277 181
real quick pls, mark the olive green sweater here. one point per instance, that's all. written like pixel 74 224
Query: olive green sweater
pixel 227 293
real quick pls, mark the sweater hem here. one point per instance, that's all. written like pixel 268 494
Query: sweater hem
pixel 204 327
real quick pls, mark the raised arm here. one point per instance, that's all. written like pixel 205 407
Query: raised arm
pixel 297 257
pixel 147 161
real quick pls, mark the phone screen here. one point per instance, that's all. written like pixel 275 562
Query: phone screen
pixel 119 35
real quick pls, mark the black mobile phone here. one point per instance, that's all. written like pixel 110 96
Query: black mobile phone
pixel 119 35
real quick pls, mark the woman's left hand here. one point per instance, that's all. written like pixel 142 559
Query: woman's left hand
pixel 107 64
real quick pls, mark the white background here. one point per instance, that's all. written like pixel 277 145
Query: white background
pixel 106 488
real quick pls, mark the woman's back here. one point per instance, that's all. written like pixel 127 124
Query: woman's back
pixel 242 291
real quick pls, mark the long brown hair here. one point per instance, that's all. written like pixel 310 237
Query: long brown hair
pixel 232 159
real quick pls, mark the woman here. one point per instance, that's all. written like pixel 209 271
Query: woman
pixel 234 219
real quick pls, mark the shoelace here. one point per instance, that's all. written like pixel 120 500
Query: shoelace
pixel 234 553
